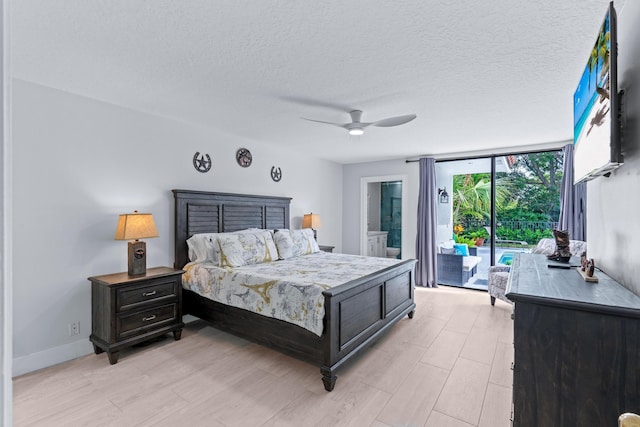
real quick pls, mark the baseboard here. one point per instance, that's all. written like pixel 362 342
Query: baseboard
pixel 52 356
pixel 63 353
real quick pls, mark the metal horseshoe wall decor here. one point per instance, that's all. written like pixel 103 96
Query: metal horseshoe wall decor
pixel 202 163
pixel 276 174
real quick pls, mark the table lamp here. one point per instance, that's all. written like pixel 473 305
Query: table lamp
pixel 312 221
pixel 133 227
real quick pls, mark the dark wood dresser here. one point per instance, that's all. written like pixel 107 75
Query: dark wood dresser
pixel 127 310
pixel 577 346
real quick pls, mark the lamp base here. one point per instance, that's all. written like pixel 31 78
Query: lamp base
pixel 137 258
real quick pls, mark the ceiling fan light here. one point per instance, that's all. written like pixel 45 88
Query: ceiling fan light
pixel 356 131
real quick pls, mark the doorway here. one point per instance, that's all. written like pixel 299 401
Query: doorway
pixel 383 203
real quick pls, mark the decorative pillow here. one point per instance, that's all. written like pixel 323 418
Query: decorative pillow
pixel 238 249
pixel 303 242
pixel 204 247
pixel 284 243
pixel 292 243
pixel 448 251
pixel 461 249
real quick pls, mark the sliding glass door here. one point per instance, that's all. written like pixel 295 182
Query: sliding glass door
pixel 494 207
pixel 464 216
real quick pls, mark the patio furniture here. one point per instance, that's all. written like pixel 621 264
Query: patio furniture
pixel 547 246
pixel 456 270
pixel 498 278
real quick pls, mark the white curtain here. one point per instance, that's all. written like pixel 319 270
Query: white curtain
pixel 426 239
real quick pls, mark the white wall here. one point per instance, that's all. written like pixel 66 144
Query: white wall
pixel 613 204
pixel 444 179
pixel 78 163
pixel 6 398
pixel 351 215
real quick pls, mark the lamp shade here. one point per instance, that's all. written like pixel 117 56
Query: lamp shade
pixel 136 226
pixel 311 220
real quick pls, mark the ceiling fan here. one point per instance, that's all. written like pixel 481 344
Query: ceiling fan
pixel 356 127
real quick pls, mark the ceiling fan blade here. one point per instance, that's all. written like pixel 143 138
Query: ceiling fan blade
pixel 394 121
pixel 327 123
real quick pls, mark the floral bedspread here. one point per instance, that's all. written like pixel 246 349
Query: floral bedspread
pixel 289 290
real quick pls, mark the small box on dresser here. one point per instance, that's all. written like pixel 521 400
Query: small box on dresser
pixel 127 310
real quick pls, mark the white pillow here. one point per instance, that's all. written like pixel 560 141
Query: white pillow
pixel 447 244
pixel 238 249
pixel 204 248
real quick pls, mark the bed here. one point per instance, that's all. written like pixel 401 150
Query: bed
pixel 356 313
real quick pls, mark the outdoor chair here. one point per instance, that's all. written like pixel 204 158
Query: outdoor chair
pixel 455 269
pixel 547 246
pixel 497 286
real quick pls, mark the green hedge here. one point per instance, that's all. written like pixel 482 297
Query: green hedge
pixel 532 237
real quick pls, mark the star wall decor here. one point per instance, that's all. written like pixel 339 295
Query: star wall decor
pixel 202 163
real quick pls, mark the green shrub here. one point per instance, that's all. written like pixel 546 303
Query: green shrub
pixel 480 233
pixel 530 236
pixel 462 239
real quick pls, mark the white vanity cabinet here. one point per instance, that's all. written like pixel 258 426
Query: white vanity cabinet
pixel 377 243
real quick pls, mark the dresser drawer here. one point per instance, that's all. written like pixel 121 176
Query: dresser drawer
pixel 156 291
pixel 133 323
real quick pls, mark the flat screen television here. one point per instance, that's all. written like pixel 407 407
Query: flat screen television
pixel 596 106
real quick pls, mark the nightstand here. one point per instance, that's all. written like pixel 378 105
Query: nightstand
pixel 326 248
pixel 127 310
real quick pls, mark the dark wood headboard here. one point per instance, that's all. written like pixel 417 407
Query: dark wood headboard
pixel 207 212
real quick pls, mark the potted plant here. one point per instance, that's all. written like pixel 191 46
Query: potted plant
pixel 464 239
pixel 479 235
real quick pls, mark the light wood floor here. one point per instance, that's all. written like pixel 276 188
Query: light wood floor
pixel 449 366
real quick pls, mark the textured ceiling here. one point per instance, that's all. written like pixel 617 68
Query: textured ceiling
pixel 479 75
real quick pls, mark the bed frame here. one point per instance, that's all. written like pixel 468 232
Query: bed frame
pixel 356 313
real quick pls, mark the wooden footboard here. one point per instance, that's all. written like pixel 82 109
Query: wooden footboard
pixel 357 312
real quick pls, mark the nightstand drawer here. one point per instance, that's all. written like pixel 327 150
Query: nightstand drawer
pixel 132 323
pixel 157 291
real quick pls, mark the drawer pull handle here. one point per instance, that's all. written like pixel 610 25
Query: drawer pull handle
pixel 512 365
pixel 148 294
pixel 146 319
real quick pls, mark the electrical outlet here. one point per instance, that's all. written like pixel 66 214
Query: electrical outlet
pixel 74 328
